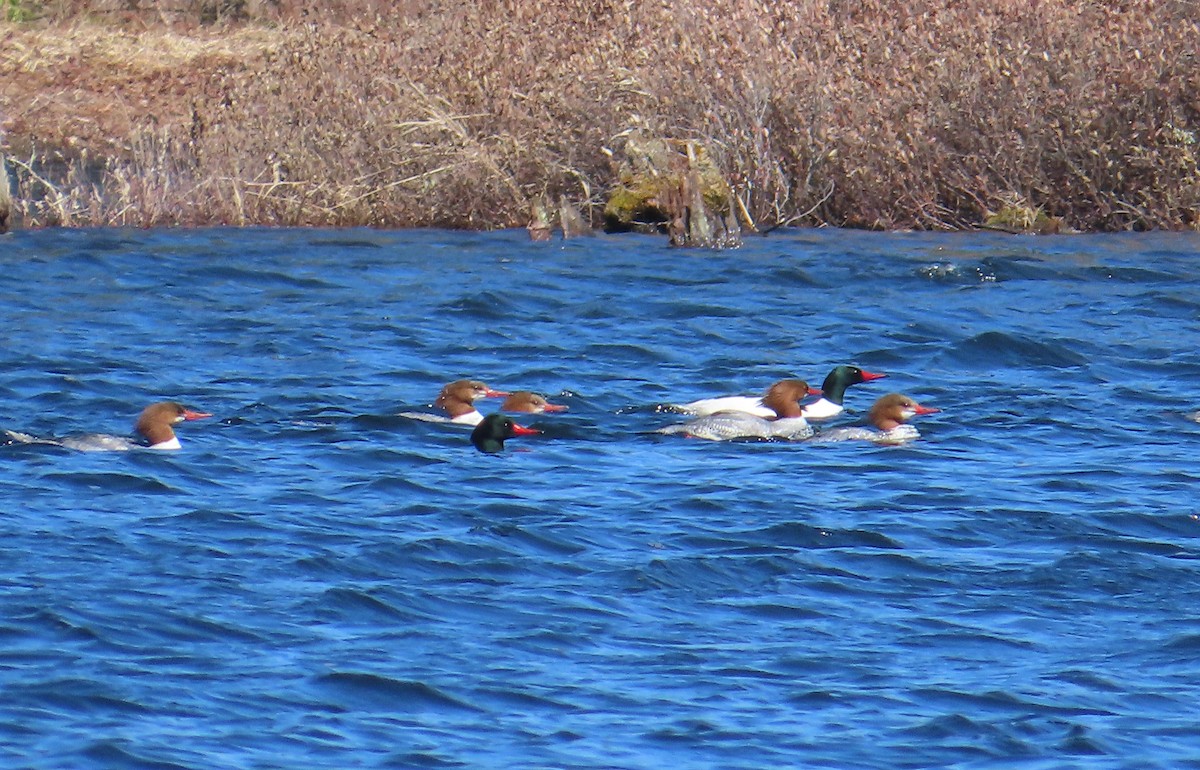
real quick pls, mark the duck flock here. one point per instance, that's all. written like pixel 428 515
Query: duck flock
pixel 779 413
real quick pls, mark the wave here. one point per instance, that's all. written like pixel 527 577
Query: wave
pixel 992 349
pixel 376 692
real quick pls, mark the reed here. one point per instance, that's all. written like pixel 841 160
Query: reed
pixel 923 115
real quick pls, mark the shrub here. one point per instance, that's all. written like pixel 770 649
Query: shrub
pixel 864 114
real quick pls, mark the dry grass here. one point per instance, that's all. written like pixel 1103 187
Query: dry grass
pixel 863 114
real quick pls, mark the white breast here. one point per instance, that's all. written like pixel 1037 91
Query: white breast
pixel 470 418
pixel 821 409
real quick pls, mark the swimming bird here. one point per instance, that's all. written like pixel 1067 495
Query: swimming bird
pixel 458 400
pixel 492 431
pixel 888 416
pixel 833 390
pixel 157 420
pixel 787 421
pixel 155 427
pixel 526 401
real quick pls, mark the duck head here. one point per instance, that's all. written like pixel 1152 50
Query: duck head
pixel 157 420
pixel 532 403
pixel 458 398
pixel 490 434
pixel 842 377
pixel 784 397
pixel 894 409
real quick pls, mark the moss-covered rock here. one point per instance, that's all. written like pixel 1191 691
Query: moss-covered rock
pixel 1015 217
pixel 674 187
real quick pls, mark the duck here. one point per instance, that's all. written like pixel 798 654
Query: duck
pixel 888 417
pixel 154 428
pixel 458 399
pixel 786 420
pixel 157 421
pixel 492 431
pixel 832 392
pixel 529 402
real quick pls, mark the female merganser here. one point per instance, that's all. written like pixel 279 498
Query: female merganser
pixel 154 426
pixel 156 420
pixel 787 421
pixel 489 435
pixel 525 401
pixel 458 400
pixel 830 405
pixel 888 415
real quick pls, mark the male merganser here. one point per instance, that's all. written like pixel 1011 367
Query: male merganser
pixel 829 405
pixel 525 401
pixel 154 426
pixel 458 399
pixel 787 421
pixel 489 435
pixel 888 415
pixel 834 390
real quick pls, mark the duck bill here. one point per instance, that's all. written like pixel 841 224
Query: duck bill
pixel 925 409
pixel 521 430
pixel 190 414
pixel 815 392
pixel 868 376
pixel 555 408
pixel 489 393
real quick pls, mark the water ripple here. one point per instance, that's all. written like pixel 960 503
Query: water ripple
pixel 373 692
pixel 318 580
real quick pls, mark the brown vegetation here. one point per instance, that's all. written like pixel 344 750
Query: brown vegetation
pixel 930 115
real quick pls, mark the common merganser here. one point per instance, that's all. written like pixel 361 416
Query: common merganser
pixel 154 426
pixel 787 421
pixel 532 403
pixel 888 415
pixel 491 432
pixel 832 391
pixel 458 400
pixel 829 405
pixel 156 420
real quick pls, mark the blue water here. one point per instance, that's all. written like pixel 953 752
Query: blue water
pixel 313 581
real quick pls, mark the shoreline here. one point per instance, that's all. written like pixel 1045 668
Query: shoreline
pixel 1067 117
